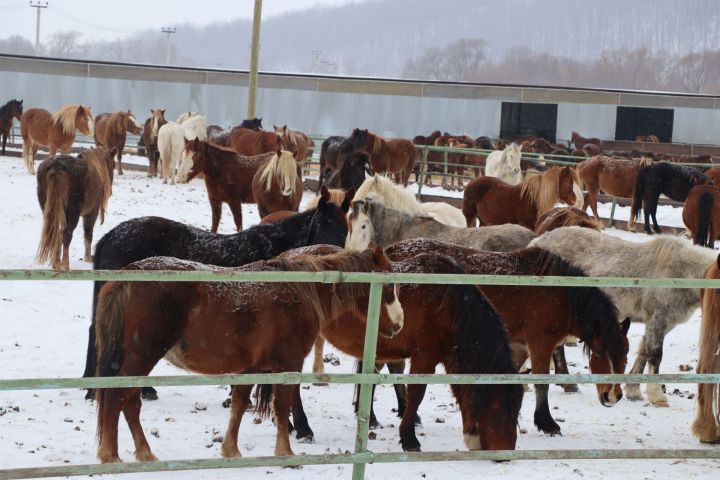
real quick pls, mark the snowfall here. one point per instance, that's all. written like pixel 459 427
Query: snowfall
pixel 43 333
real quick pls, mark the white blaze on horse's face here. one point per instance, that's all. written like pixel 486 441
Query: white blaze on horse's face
pixel 394 310
pixel 579 199
pixel 361 232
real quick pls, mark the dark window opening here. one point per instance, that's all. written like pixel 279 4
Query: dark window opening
pixel 520 119
pixel 633 121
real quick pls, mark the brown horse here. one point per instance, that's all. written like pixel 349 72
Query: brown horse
pixel 647 138
pixel 276 216
pixel 68 188
pixel 250 142
pixel 278 185
pixel 12 109
pixel 150 139
pixel 706 426
pixel 228 177
pixel 111 132
pixel 614 176
pixel 55 131
pixel 701 214
pixel 581 141
pixel 540 317
pixel 296 142
pixel 591 150
pixel 434 158
pixel 386 155
pixel 217 328
pixel 494 202
pixel 714 174
pixel 565 217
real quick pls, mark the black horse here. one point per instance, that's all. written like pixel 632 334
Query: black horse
pixel 252 124
pixel 351 174
pixel 146 237
pixel 330 157
pixel 673 181
pixel 12 109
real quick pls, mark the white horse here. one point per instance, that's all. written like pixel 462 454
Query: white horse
pixel 186 116
pixel 382 189
pixel 505 165
pixel 661 309
pixel 171 144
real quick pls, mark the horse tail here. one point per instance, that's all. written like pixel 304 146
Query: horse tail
pixel 263 399
pixel 702 231
pixel 638 194
pixel 54 218
pixel 108 339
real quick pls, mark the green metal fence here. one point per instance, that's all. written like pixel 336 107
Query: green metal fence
pixel 361 456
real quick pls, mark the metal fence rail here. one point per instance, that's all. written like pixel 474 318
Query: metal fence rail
pixel 366 379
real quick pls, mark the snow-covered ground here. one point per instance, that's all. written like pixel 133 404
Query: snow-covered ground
pixel 43 333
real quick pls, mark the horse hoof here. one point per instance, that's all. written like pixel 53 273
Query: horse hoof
pixel 411 448
pixel 146 457
pixel 149 394
pixel 306 439
pixel 109 459
pixel 632 393
pixel 227 402
pixel 230 452
pixel 570 388
pixel 90 395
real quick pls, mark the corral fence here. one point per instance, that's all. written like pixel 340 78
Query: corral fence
pixel 361 455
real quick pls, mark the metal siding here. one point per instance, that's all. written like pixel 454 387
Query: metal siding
pixel 693 125
pixel 587 119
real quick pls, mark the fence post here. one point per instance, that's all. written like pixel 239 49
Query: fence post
pixel 445 167
pixel 368 366
pixel 422 172
pixel 611 220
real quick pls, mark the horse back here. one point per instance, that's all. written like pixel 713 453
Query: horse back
pixel 35 125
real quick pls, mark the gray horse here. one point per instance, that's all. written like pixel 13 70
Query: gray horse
pixel 374 222
pixel 661 309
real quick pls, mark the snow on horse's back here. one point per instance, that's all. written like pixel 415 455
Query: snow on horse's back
pixel 505 165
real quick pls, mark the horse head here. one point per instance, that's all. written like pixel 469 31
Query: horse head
pixel 84 121
pixel 392 317
pixel 252 124
pixel 157 120
pixel 569 190
pixel 16 106
pixel 194 150
pixel 329 224
pixel 133 126
pixel 362 231
pixel 358 141
pixel 608 354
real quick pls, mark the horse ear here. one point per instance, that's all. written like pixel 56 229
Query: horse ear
pixel 324 193
pixel 345 207
pixel 20 102
pixel 162 111
pixel 379 257
pixel 625 326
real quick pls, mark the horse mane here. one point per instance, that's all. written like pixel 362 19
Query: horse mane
pixel 390 194
pixel 542 190
pixel 96 162
pixel 283 168
pixel 378 143
pixel 566 217
pixel 117 123
pixel 667 248
pixel 65 118
pixel 337 196
pixel 645 161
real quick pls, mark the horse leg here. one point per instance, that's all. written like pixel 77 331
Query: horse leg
pixel 652 210
pixel 73 217
pixel 236 209
pixel 240 399
pixel 281 405
pixel 119 159
pixel 561 367
pixel 108 420
pixel 131 410
pixel 415 394
pixel 304 433
pixel 216 207
pixel 88 225
pixel 318 364
pixel 655 332
pixel 540 361
pixel 373 423
pixel 4 140
pixel 632 390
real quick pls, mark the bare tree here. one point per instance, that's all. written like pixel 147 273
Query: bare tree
pixel 461 60
pixel 17 45
pixel 691 71
pixel 63 44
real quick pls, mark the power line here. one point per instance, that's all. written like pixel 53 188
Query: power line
pixel 69 16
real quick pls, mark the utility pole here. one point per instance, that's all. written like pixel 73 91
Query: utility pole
pixel 38 6
pixel 168 31
pixel 254 56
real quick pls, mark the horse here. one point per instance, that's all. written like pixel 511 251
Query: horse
pixel 276 216
pixel 68 188
pixel 278 185
pixel 505 165
pixel 252 124
pixel 591 150
pixel 111 132
pixel 647 138
pixel 494 202
pixel 673 181
pixel 614 176
pixel 330 157
pixel 661 309
pixel 185 116
pixel 706 426
pixel 228 177
pixel 55 131
pixel 250 142
pixel 224 328
pixel 434 157
pixel 296 142
pixel 565 217
pixel 714 174
pixel 12 109
pixel 146 237
pixel 456 161
pixel 701 214
pixel 371 222
pixel 581 141
pixel 396 156
pixel 150 139
pixel 395 196
pixel 544 317
pixel 337 196
pixel 352 173
pixel 171 140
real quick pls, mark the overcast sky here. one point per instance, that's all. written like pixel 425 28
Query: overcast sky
pixel 105 19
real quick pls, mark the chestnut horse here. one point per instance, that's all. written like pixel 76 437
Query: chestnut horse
pixel 296 142
pixel 68 188
pixel 714 174
pixel 544 317
pixel 40 128
pixel 12 109
pixel 278 185
pixel 386 155
pixel 706 426
pixel 614 176
pixel 581 141
pixel 701 214
pixel 111 132
pixel 228 177
pixel 233 327
pixel 250 142
pixel 150 139
pixel 494 202
pixel 565 217
pixel 647 138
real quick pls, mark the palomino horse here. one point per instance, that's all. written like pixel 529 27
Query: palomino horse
pixel 296 142
pixel 565 217
pixel 68 188
pixel 544 317
pixel 150 139
pixel 395 196
pixel 146 237
pixel 386 155
pixel 701 214
pixel 278 185
pixel 250 142
pixel 12 109
pixel 614 176
pixel 55 131
pixel 647 138
pixel 228 177
pixel 171 142
pixel 706 426
pixel 494 202
pixel 661 309
pixel 111 132
pixel 246 321
pixel 581 141
pixel 673 181
pixel 505 165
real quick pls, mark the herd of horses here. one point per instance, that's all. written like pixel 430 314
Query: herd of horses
pixel 363 221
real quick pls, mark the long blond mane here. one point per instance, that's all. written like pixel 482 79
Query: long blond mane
pixel 65 118
pixel 394 196
pixel 283 168
pixel 543 190
pixel 378 143
pixel 95 159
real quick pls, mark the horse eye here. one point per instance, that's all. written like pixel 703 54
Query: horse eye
pixel 364 226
